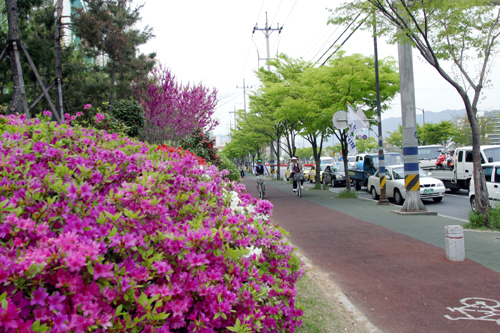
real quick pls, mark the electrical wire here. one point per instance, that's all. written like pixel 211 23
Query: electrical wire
pixel 327 42
pixel 345 40
pixel 347 28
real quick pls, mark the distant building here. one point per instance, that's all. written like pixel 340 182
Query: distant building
pixel 494 136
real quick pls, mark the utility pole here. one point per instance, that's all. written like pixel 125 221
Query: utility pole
pixel 381 158
pixel 413 203
pixel 267 32
pixel 244 95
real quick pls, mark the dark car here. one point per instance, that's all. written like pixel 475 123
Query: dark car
pixel 334 175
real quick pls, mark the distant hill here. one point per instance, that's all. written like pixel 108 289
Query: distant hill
pixel 391 124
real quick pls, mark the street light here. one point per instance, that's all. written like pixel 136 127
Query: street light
pixel 423 114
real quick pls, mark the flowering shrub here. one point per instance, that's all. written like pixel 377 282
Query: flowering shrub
pixel 201 144
pixel 101 233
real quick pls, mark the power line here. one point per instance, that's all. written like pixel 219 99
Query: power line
pixel 347 28
pixel 344 41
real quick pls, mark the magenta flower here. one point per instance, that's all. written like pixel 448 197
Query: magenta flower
pixel 39 297
pixel 103 270
pixel 60 321
pixel 47 114
pixel 55 301
pixel 9 318
pixel 87 106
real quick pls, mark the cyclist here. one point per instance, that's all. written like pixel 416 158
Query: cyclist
pixel 260 170
pixel 296 167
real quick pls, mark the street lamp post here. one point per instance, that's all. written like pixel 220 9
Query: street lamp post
pixel 423 114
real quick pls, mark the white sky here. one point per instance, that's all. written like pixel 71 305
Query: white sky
pixel 211 42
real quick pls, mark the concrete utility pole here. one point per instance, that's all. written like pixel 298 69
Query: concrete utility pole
pixel 244 95
pixel 267 32
pixel 413 203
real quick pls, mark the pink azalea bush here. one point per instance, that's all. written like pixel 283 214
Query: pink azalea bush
pixel 102 233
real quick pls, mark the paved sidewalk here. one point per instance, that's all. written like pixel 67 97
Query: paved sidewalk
pixel 393 267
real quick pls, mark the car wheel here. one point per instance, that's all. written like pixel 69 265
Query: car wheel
pixel 332 184
pixel 375 196
pixel 473 203
pixel 398 198
pixel 438 199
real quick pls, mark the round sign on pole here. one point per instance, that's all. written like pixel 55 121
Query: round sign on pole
pixel 365 137
pixel 340 120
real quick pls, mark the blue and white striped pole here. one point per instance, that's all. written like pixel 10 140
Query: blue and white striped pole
pixel 412 202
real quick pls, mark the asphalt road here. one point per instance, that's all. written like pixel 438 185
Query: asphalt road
pixel 454 204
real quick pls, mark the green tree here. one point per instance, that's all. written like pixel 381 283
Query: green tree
pixel 437 133
pixel 395 138
pixel 109 26
pixel 461 33
pixel 463 133
pixel 366 146
pixel 304 153
pixel 351 79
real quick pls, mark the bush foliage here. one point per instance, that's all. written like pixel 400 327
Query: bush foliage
pixel 227 164
pixel 101 233
pixel 200 143
pixel 131 113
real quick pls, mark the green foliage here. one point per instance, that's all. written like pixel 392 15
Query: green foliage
pixel 347 194
pixel 304 153
pixel 109 123
pixel 200 144
pixel 476 219
pixel 366 146
pixel 463 133
pixel 131 113
pixel 436 133
pixel 226 163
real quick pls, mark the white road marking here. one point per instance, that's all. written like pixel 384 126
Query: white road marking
pixel 477 308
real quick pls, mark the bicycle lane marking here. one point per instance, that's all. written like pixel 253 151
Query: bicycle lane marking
pixel 477 308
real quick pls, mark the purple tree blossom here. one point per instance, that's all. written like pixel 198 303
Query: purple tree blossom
pixel 172 110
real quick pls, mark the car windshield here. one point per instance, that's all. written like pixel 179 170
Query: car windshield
pixel 399 173
pixel 338 167
pixel 393 159
pixel 429 153
pixel 492 154
pixel 351 159
pixel 323 166
pixel 327 161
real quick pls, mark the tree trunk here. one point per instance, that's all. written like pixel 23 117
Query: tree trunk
pixel 19 103
pixel 58 59
pixel 112 94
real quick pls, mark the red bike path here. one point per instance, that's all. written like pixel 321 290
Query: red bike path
pixel 400 283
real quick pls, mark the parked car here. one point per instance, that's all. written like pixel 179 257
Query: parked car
pixel 492 175
pixel 312 172
pixel 334 175
pixel 430 188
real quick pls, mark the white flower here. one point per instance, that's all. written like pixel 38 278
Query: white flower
pixel 253 250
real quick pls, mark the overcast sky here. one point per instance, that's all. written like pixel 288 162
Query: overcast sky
pixel 212 42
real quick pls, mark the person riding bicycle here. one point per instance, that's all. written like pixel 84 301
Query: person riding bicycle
pixel 296 167
pixel 260 170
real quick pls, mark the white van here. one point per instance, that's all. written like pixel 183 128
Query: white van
pixel 492 176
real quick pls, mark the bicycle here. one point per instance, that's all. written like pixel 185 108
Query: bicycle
pixel 298 177
pixel 261 181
